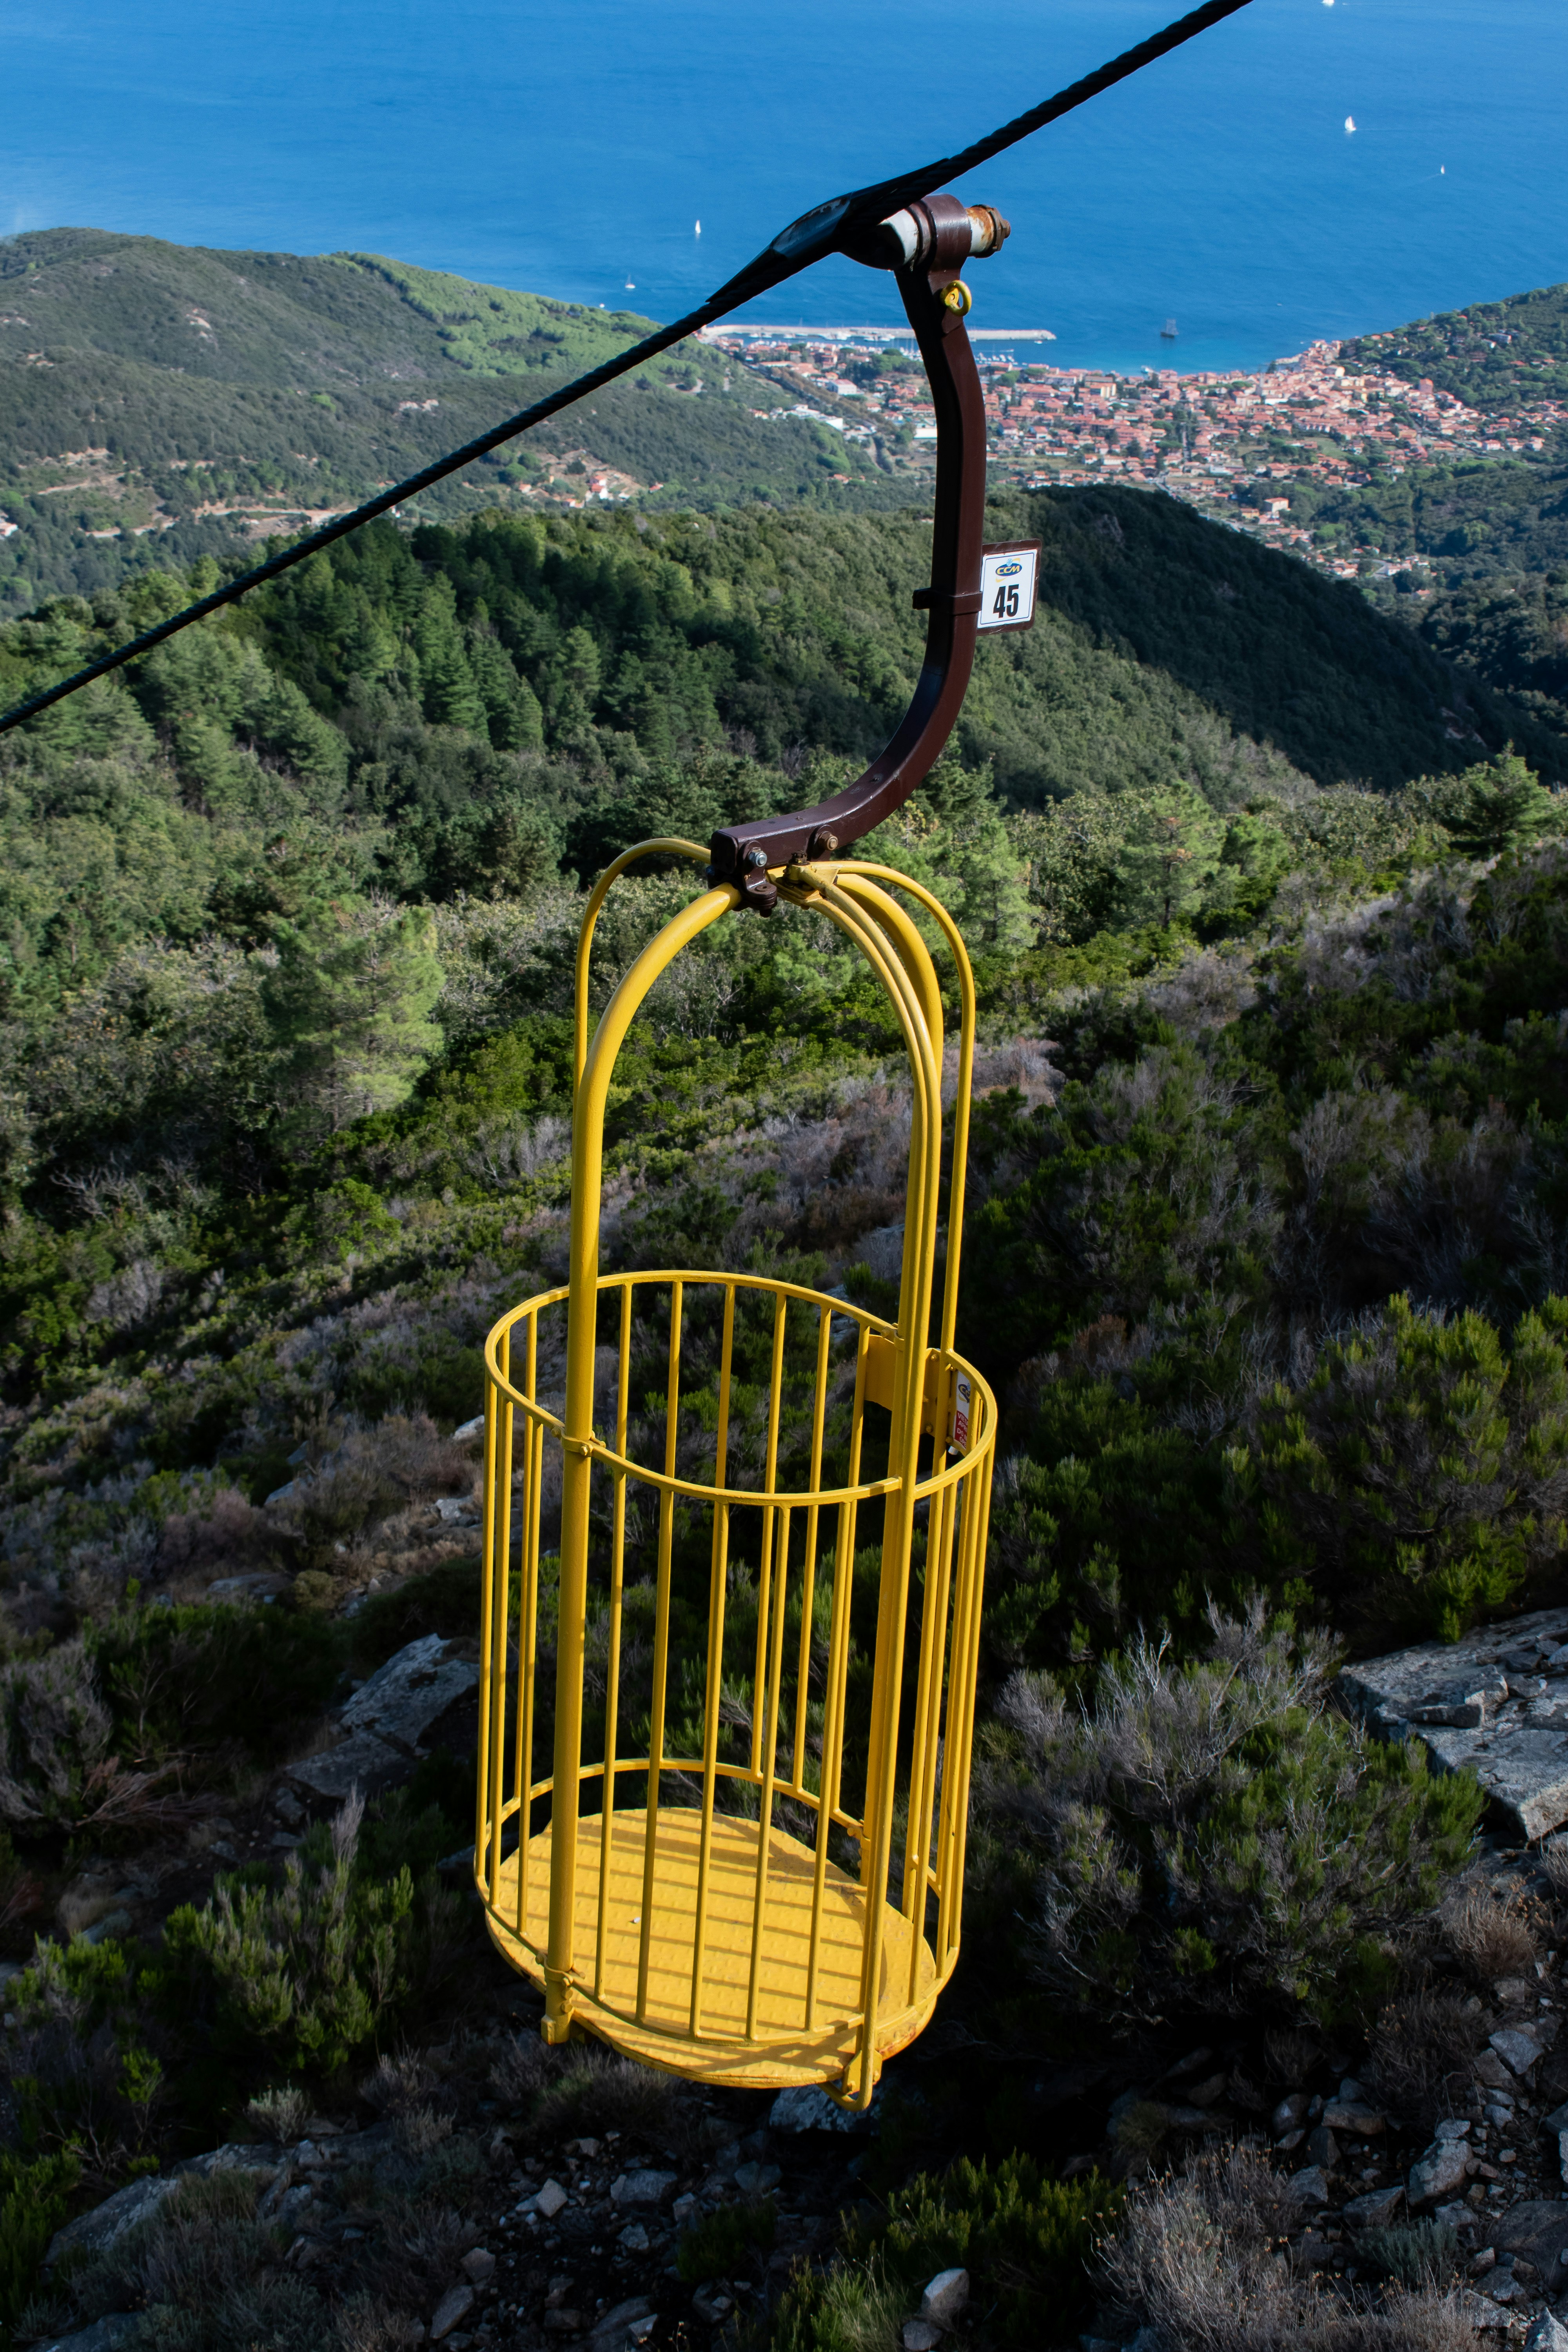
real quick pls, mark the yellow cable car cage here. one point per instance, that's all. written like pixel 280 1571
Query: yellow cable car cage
pixel 726 1715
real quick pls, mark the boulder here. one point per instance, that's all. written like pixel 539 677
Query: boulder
pixel 403 1699
pixel 642 2187
pixel 920 2336
pixel 1308 2187
pixel 1537 2229
pixel 1548 2335
pixel 945 2296
pixel 1441 2171
pixel 1517 2049
pixel 1340 2115
pixel 1496 1703
pixel 92 2232
pixel 807 2107
pixel 386 1724
pixel 627 2322
pixel 454 2305
pixel 103 2336
pixel 1375 2211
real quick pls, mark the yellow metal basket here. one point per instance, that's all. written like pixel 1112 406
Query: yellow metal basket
pixel 704 1877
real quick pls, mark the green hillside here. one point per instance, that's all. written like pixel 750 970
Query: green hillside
pixel 1487 355
pixel 159 403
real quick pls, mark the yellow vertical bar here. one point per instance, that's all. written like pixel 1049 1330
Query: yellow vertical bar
pixel 717 1580
pixel 809 1578
pixel 837 1674
pixel 498 1638
pixel 764 1564
pixel 660 1644
pixel 765 1822
pixel 613 1677
pixel 964 1601
pixel 927 1723
pixel 963 1745
pixel 482 1776
pixel 527 1615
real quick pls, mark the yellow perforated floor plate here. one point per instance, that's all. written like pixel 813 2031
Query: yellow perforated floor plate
pixel 787 2049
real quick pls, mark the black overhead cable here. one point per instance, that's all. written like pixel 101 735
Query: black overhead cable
pixel 806 240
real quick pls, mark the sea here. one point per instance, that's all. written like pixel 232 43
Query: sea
pixel 1309 168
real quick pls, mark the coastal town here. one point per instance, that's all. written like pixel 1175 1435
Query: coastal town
pixel 1240 446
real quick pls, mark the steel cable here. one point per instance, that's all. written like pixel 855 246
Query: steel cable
pixel 806 240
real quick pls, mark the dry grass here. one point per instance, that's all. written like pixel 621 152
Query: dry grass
pixel 1421 2052
pixel 1492 1935
pixel 1199 2260
pixel 280 2115
pixel 367 2325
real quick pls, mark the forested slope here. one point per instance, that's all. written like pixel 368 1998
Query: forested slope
pixel 179 393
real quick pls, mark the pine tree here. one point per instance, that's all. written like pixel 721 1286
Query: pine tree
pixel 348 1002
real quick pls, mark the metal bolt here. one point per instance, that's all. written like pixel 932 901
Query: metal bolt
pixel 755 859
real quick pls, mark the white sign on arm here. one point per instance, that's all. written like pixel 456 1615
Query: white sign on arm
pixel 1008 579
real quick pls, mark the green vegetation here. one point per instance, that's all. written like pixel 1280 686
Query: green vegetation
pixel 174 392
pixel 1487 355
pixel 1262 1254
pixel 1027 2242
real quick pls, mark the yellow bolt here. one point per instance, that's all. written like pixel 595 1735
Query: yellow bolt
pixel 958 296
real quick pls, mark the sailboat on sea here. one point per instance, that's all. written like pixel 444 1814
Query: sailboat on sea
pixel 1168 331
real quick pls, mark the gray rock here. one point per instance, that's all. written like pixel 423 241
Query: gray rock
pixel 643 2187
pixel 757 2180
pixel 1322 2147
pixel 1518 2050
pixel 120 2327
pixel 1490 2071
pixel 91 2232
pixel 1375 2211
pixel 365 1763
pixel 620 2326
pixel 1340 2115
pixel 403 1698
pixel 1479 2312
pixel 113 1923
pixel 235 2156
pixel 808 2108
pixel 479 2264
pixel 944 2297
pixel 920 2336
pixel 1452 2127
pixel 1439 2173
pixel 549 2200
pixel 1290 2112
pixel 469 1429
pixel 454 2305
pixel 634 2239
pixel 1456 1699
pixel 711 2303
pixel 1537 2229
pixel 1548 2335
pixel 1556 2121
pixel 1308 2187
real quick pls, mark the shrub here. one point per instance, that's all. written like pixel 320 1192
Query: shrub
pixel 1196 2261
pixel 197 1677
pixel 33 2194
pixel 1421 1475
pixel 54 1730
pixel 1420 2055
pixel 280 2114
pixel 724 2241
pixel 1211 1831
pixel 1421 2253
pixel 303 1971
pixel 1027 2242
pixel 85 2068
pixel 597 2091
pixel 1492 1935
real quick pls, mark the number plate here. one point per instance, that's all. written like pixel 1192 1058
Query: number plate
pixel 1007 577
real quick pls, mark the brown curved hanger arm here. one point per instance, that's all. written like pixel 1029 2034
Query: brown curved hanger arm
pixel 743 853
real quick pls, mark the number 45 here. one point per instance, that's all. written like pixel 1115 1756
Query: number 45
pixel 1006 605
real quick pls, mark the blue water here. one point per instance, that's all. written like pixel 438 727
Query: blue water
pixel 570 149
